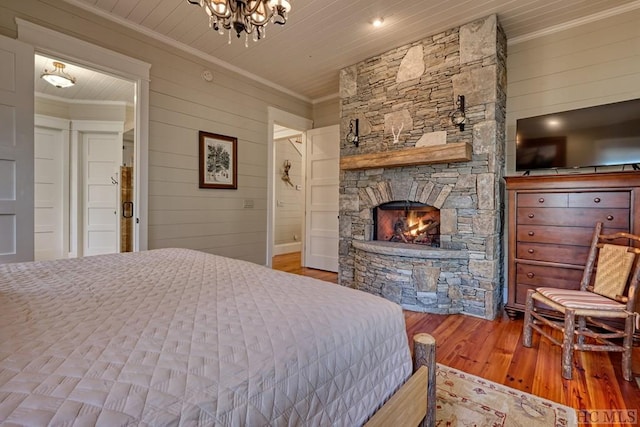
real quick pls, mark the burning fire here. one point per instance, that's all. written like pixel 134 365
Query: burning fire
pixel 410 226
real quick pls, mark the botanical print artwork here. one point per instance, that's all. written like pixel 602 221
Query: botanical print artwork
pixel 218 162
pixel 218 158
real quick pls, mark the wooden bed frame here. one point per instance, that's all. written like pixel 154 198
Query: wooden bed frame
pixel 414 403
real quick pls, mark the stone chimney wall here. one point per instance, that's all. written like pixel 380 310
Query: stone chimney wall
pixel 403 98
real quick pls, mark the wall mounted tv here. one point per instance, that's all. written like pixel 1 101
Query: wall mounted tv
pixel 603 135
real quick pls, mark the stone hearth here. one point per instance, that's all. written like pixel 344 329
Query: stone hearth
pixel 409 274
pixel 403 99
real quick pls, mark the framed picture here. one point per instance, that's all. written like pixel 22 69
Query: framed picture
pixel 218 161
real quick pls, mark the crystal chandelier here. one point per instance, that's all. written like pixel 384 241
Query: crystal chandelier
pixel 249 16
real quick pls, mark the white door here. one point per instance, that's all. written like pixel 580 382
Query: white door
pixel 51 183
pixel 321 224
pixel 16 151
pixel 102 157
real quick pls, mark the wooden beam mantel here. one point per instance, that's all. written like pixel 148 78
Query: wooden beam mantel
pixel 445 153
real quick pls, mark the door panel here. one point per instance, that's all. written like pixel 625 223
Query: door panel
pixel 16 151
pixel 322 166
pixel 51 148
pixel 102 153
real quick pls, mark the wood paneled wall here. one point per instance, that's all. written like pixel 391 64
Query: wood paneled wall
pixel 182 103
pixel 592 64
pixel 326 113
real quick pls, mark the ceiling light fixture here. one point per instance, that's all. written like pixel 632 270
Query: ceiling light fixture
pixel 378 22
pixel 248 16
pixel 58 77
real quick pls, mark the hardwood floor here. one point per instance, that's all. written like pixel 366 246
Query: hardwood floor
pixel 291 264
pixel 493 350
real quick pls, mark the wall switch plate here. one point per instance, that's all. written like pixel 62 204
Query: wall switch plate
pixel 280 203
pixel 298 187
pixel 248 204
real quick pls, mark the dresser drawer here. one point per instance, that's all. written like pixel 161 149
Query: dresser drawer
pixel 609 199
pixel 553 277
pixel 564 254
pixel 576 217
pixel 576 236
pixel 546 200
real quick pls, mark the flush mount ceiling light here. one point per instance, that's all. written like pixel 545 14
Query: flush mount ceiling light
pixel 377 22
pixel 58 77
pixel 248 16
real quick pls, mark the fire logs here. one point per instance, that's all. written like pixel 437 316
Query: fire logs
pixel 422 232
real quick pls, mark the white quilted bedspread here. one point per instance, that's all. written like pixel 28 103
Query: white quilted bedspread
pixel 179 337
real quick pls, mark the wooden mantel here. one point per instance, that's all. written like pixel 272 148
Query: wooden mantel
pixel 445 153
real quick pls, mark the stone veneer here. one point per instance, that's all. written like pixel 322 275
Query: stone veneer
pixel 403 98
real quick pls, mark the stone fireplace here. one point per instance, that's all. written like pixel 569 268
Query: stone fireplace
pixel 420 200
pixel 407 222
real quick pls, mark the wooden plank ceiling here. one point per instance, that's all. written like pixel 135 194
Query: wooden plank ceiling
pixel 323 36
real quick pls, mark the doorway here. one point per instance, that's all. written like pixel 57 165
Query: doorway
pixel 294 125
pixel 319 237
pixel 289 190
pixel 87 55
pixel 80 157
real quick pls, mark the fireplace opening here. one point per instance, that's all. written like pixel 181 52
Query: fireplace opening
pixel 407 222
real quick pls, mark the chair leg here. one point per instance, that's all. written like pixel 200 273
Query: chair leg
pixel 582 324
pixel 627 344
pixel 528 319
pixel 567 344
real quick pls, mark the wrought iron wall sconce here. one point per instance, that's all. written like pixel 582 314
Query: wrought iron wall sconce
pixel 353 135
pixel 457 117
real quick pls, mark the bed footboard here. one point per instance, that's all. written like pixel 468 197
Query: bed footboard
pixel 415 402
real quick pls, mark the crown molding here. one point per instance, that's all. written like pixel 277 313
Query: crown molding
pixel 82 101
pixel 325 98
pixel 186 48
pixel 575 23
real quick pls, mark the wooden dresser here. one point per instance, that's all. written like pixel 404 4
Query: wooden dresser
pixel 551 221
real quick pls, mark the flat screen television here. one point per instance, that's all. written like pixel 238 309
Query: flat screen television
pixel 603 135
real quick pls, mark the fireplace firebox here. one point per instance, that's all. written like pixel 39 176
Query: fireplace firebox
pixel 407 222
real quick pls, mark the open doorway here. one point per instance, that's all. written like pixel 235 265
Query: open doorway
pixel 88 55
pixel 295 125
pixel 83 162
pixel 289 190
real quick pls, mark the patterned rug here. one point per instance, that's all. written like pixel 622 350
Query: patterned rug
pixel 467 400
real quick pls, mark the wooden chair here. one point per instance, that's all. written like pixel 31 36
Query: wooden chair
pixel 610 294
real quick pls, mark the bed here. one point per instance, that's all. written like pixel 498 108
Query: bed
pixel 180 337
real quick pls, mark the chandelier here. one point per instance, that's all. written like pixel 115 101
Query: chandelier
pixel 248 16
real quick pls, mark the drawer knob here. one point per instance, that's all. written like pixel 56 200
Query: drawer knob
pixel 541 200
pixel 530 275
pixel 530 215
pixel 610 217
pixel 596 200
pixel 530 251
pixel 531 233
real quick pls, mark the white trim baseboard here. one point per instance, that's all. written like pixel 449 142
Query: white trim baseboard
pixel 287 248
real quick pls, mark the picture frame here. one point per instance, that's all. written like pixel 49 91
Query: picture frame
pixel 218 157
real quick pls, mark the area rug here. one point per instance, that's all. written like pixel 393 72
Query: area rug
pixel 467 400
